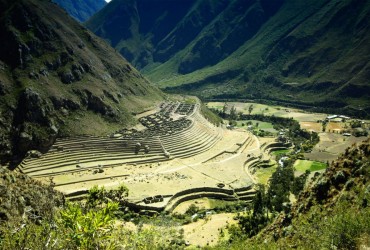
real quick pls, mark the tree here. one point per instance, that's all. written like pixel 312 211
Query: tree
pixel 252 223
pixel 259 200
pixel 233 115
pixel 224 110
pixel 280 185
pixel 250 109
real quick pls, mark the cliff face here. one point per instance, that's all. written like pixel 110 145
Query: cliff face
pixel 305 52
pixel 81 10
pixel 58 79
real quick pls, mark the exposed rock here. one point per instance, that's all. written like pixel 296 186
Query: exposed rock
pixel 67 77
pixel 24 142
pixel 77 74
pixel 3 90
pixel 54 65
pixel 34 154
pixel 31 107
pixel 33 75
pixel 98 105
pixel 44 72
pixel 81 45
pixel 60 103
pixel 65 58
pixel 87 67
pixel 54 130
pixel 111 96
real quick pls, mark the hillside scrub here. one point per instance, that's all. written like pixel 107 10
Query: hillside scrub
pixel 332 212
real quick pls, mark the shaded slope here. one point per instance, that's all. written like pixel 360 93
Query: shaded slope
pixel 206 30
pixel 81 10
pixel 58 79
pixel 311 53
pixel 135 28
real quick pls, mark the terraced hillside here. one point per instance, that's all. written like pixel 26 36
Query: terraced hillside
pixel 175 154
pixel 89 152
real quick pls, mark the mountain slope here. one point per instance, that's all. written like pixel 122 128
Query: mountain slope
pixel 311 53
pixel 81 10
pixel 58 79
pixel 135 28
pixel 332 212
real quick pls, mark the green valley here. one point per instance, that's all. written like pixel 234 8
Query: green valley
pixel 184 124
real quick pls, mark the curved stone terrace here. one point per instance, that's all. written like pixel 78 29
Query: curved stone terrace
pixel 177 150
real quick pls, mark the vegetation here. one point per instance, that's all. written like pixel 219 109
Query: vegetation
pixel 65 80
pixel 190 53
pixel 252 222
pixel 301 139
pixel 332 212
pixel 304 165
pixel 270 221
pixel 211 116
pixel 281 152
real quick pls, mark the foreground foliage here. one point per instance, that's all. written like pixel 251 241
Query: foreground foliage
pixel 333 212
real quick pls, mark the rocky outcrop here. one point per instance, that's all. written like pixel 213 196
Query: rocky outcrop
pixel 53 71
pixel 60 102
pixel 96 103
pixel 34 123
pixel 32 108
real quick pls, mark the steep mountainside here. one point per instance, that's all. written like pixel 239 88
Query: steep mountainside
pixel 312 53
pixel 333 212
pixel 81 10
pixel 58 79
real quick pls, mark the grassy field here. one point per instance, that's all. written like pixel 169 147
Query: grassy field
pixel 303 165
pixel 268 110
pixel 263 174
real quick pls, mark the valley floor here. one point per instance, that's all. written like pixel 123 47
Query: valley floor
pixel 206 161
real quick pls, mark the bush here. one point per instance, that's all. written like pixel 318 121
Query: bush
pixel 99 195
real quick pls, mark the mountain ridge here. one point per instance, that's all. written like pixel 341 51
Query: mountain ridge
pixel 311 53
pixel 81 10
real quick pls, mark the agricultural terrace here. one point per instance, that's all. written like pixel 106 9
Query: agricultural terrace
pixel 175 154
pixel 172 156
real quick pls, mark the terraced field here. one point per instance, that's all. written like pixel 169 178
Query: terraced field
pixel 176 156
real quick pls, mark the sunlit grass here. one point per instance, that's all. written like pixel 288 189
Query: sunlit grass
pixel 303 165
